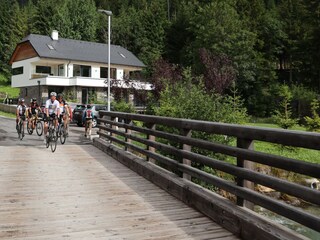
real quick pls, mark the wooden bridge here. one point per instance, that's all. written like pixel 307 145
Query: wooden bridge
pixel 80 192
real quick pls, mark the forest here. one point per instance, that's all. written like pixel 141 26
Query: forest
pixel 264 53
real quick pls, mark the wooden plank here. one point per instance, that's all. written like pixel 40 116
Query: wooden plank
pixel 87 195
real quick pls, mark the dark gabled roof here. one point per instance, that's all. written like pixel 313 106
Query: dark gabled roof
pixel 76 50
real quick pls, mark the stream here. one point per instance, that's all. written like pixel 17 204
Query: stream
pixel 291 224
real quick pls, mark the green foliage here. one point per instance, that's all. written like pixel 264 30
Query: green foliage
pixel 12 30
pixel 123 106
pixel 12 92
pixel 75 19
pixel 70 95
pixel 313 124
pixel 283 115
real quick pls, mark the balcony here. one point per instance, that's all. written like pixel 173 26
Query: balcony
pixel 87 82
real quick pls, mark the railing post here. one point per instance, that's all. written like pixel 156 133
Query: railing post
pixel 128 131
pixel 112 126
pixel 186 133
pixel 151 138
pixel 247 144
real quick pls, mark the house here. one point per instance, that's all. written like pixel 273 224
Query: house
pixel 79 69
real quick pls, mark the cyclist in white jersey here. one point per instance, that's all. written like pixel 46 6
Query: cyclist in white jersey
pixel 52 110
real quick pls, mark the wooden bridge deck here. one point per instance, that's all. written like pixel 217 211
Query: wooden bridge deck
pixel 79 192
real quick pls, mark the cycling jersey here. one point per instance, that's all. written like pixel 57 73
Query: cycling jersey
pixel 22 109
pixel 33 107
pixel 52 106
pixel 62 106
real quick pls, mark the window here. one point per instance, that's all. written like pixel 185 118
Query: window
pixel 104 72
pixel 50 47
pixel 43 69
pixel 17 71
pixel 122 55
pixel 61 70
pixel 81 71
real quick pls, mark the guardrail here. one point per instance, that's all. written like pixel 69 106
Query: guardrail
pixel 128 135
pixel 8 108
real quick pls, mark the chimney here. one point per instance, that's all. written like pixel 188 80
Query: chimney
pixel 55 35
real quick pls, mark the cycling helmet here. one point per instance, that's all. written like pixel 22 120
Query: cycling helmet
pixel 60 95
pixel 88 106
pixel 53 94
pixel 34 99
pixel 21 99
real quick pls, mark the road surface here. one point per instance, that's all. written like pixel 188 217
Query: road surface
pixel 9 136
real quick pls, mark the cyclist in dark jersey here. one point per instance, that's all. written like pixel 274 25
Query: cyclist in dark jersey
pixel 32 111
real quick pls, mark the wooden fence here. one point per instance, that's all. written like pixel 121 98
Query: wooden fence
pixel 147 139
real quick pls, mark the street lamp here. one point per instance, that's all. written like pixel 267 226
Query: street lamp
pixel 109 14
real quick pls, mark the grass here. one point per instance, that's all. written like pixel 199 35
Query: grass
pixel 5 114
pixel 272 125
pixel 303 154
pixel 12 92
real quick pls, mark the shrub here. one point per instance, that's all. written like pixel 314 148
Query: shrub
pixel 283 115
pixel 313 124
pixel 123 106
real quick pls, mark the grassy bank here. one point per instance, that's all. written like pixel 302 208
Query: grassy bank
pixel 5 114
pixel 291 152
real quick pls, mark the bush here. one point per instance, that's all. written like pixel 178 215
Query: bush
pixel 313 124
pixel 123 106
pixel 190 101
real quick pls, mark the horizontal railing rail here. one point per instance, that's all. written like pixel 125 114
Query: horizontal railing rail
pixel 147 141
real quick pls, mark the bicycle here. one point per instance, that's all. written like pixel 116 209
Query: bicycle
pixel 38 125
pixel 20 129
pixel 52 138
pixel 62 132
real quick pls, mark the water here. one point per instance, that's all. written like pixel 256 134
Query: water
pixel 291 224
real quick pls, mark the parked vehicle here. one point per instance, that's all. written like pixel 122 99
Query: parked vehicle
pixel 78 113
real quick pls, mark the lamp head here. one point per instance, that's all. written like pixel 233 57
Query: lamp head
pixel 109 13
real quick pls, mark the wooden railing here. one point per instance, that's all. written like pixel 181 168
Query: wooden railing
pixel 143 141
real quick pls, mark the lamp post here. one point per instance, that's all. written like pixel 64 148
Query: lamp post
pixel 109 14
pixel 40 100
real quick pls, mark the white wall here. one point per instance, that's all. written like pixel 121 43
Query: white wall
pixel 119 74
pixel 23 80
pixel 95 71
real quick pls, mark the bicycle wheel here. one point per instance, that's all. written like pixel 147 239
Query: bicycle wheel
pixel 63 135
pixel 53 142
pixel 29 128
pixel 21 130
pixel 59 130
pixel 39 128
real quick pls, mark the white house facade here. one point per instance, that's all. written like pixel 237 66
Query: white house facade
pixel 41 64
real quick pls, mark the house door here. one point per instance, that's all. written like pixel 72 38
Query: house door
pixel 84 96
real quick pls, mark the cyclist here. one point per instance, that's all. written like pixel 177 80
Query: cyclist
pixel 21 112
pixel 52 110
pixel 87 117
pixel 32 111
pixel 65 111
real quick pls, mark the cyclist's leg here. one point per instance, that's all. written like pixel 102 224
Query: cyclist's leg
pixel 86 127
pixel 17 123
pixel 90 126
pixel 45 127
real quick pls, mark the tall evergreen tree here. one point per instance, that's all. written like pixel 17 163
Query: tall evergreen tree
pixel 12 29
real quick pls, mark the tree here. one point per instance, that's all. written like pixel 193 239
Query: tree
pixel 12 29
pixel 219 72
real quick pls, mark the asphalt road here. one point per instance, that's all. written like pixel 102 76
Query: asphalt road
pixel 9 136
